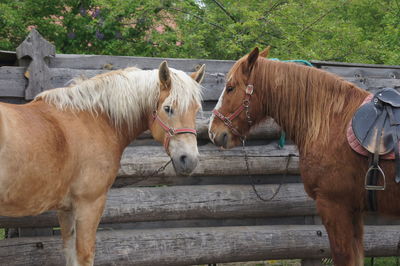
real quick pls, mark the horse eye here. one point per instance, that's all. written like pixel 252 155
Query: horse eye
pixel 168 109
pixel 229 88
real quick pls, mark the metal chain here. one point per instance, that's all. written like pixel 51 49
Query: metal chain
pixel 246 159
pixel 159 170
pixel 246 106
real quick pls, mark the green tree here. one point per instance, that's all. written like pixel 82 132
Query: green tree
pixel 365 31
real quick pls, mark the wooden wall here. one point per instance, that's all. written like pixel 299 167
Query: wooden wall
pixel 213 215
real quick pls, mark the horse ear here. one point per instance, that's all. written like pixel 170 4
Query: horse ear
pixel 164 74
pixel 265 52
pixel 252 58
pixel 198 76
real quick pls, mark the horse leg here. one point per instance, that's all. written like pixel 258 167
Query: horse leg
pixel 67 224
pixel 88 214
pixel 345 237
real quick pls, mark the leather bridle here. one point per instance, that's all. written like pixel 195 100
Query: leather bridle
pixel 227 120
pixel 170 131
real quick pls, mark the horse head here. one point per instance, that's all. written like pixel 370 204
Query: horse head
pixel 174 118
pixel 238 107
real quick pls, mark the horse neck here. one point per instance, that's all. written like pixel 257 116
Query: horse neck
pixel 128 134
pixel 126 107
pixel 310 105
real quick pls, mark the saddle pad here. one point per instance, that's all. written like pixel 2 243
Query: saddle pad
pixel 355 144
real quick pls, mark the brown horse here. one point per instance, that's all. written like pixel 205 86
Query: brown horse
pixel 314 108
pixel 62 151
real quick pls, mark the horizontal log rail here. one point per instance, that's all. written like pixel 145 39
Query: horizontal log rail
pixel 263 159
pixel 188 246
pixel 189 202
pixel 13 83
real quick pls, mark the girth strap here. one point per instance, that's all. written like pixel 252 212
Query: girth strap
pixel 372 175
pixel 395 137
pixel 170 132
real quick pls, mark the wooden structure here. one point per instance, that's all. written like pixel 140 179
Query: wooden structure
pixel 213 215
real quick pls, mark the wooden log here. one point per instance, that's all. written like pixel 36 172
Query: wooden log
pixel 13 82
pixel 284 220
pixel 264 159
pixel 190 246
pixel 213 83
pixel 320 63
pixel 202 180
pixel 390 72
pixel 189 202
pixel 116 62
pixel 373 84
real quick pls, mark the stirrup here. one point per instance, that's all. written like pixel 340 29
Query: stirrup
pixel 373 187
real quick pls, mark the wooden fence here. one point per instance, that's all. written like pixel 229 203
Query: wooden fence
pixel 210 217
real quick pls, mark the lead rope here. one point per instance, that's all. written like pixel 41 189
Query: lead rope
pixel 159 170
pixel 246 159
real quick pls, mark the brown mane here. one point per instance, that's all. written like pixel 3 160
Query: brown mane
pixel 294 87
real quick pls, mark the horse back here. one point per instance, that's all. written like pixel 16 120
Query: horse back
pixel 48 155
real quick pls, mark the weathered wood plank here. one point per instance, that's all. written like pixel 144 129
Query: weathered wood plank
pixel 190 246
pixel 284 220
pixel 213 83
pixel 373 84
pixel 32 53
pixel 357 72
pixel 202 180
pixel 116 62
pixel 265 159
pixel 189 202
pixel 13 83
pixel 356 65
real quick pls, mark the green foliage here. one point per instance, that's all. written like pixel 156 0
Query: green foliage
pixel 365 31
pixel 384 261
pixel 2 233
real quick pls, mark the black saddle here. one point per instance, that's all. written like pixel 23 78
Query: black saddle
pixel 376 126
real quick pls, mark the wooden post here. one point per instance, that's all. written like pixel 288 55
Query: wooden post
pixel 33 52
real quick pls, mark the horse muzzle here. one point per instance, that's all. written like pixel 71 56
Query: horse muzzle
pixel 184 163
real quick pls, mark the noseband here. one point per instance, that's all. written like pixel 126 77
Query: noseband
pixel 227 120
pixel 170 132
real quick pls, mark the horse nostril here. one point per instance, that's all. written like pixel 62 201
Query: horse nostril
pixel 182 159
pixel 224 138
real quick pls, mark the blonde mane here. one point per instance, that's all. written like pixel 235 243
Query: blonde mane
pixel 124 95
pixel 304 101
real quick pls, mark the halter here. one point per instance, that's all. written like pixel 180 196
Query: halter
pixel 170 132
pixel 245 106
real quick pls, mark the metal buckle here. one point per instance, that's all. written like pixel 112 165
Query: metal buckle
pixel 372 187
pixel 249 89
pixel 246 103
pixel 171 131
pixel 227 121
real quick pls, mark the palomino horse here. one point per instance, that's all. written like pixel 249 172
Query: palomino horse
pixel 314 108
pixel 62 151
